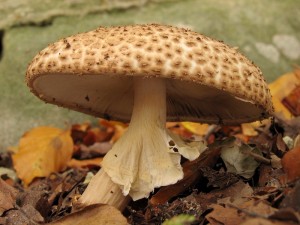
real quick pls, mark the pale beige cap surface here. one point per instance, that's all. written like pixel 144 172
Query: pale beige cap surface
pixel 207 81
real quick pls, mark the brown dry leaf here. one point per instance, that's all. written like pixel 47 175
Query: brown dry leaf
pixel 7 196
pixel 258 221
pixel 196 128
pixel 225 216
pixel 291 164
pixel 42 151
pixel 192 173
pixel 26 215
pixel 297 141
pixel 258 207
pixel 286 214
pixel 236 194
pixel 231 214
pixel 219 179
pixel 86 163
pixel 94 215
pixel 83 133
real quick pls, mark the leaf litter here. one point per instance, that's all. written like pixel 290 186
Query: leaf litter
pixel 248 174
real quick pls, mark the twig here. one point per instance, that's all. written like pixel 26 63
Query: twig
pixel 257 157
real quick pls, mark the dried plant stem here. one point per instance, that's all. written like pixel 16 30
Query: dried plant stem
pixel 257 157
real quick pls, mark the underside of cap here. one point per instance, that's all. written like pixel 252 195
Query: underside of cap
pixel 111 97
pixel 207 81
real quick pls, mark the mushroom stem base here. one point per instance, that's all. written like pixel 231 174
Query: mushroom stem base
pixel 102 190
pixel 141 159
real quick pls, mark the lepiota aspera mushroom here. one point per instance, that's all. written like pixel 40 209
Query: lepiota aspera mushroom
pixel 147 74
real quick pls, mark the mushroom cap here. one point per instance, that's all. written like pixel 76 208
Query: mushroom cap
pixel 207 81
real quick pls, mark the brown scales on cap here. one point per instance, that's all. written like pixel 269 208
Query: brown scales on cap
pixel 153 51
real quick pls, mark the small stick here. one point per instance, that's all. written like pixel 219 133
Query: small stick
pixel 257 157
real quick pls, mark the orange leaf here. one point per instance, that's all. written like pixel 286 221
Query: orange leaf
pixel 42 151
pixel 291 164
pixel 118 128
pixel 281 88
pixel 75 163
pixel 292 101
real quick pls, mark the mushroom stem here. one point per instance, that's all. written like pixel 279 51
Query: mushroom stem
pixel 101 189
pixel 141 159
pixel 146 156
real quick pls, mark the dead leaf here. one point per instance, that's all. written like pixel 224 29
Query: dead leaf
pixel 236 194
pixel 237 160
pixel 26 215
pixel 85 163
pixel 292 101
pixel 178 129
pixel 239 211
pixel 291 164
pixel 164 212
pixel 192 173
pixel 297 141
pixel 196 128
pixel 286 214
pixel 292 198
pixel 219 179
pixel 262 221
pixel 257 207
pixel 65 190
pixel 115 128
pixel 281 88
pixel 94 215
pixel 42 151
pixel 83 133
pixel 279 108
pixel 248 129
pixel 222 215
pixel 7 196
pixel 275 162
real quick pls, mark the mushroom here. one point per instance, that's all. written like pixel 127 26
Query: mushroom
pixel 148 74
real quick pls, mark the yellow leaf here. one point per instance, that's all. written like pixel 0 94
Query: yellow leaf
pixel 280 108
pixel 42 151
pixel 284 85
pixel 248 129
pixel 196 128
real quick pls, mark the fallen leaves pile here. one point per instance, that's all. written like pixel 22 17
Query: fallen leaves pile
pixel 249 174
